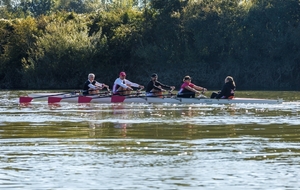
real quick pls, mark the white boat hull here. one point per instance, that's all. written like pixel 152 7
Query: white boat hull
pixel 58 97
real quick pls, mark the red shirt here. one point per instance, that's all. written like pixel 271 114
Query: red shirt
pixel 182 88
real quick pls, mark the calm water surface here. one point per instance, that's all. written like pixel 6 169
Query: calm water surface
pixel 138 146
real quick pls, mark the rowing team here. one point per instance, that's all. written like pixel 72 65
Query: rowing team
pixel 154 88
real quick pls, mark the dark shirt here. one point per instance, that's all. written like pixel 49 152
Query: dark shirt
pixel 86 86
pixel 154 85
pixel 227 90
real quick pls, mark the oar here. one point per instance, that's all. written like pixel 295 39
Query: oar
pixel 87 99
pixel 27 99
pixel 114 98
pixel 191 93
pixel 54 99
pixel 137 89
pixel 120 98
pixel 163 95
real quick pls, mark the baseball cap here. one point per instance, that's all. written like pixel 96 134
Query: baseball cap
pixel 187 78
pixel 154 75
pixel 122 73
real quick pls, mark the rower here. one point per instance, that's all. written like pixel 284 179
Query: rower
pixel 227 91
pixel 91 86
pixel 188 89
pixel 122 86
pixel 155 88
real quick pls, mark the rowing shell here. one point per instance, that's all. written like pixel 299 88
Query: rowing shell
pixel 56 97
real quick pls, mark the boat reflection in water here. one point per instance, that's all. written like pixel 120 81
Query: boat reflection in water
pixel 118 117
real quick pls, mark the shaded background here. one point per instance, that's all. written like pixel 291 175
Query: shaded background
pixel 50 44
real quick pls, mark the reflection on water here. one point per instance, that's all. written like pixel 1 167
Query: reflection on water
pixel 137 146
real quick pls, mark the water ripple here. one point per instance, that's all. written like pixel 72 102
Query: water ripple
pixel 139 146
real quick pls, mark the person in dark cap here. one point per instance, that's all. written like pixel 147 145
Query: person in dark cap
pixel 188 89
pixel 155 88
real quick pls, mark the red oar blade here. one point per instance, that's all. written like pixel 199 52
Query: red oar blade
pixel 84 99
pixel 25 99
pixel 53 99
pixel 117 98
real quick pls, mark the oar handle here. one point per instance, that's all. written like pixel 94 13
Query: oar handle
pixel 170 91
pixel 108 90
pixel 138 91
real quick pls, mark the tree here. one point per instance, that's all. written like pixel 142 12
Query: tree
pixel 63 56
pixel 37 7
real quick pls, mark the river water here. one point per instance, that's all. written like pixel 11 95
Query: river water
pixel 138 146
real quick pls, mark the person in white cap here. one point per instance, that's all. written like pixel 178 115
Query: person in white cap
pixel 122 86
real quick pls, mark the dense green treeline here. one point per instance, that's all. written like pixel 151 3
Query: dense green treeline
pixel 51 44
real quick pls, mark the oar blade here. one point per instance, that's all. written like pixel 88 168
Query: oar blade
pixel 117 99
pixel 25 99
pixel 84 99
pixel 53 99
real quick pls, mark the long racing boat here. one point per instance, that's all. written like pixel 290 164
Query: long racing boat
pixel 107 98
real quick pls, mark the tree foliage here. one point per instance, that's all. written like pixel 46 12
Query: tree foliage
pixel 16 40
pixel 56 43
pixel 63 55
